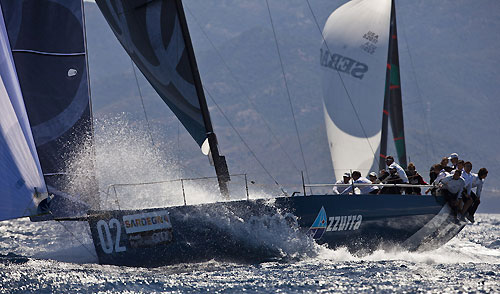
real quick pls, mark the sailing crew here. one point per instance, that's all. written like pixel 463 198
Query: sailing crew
pixel 392 178
pixel 460 165
pixel 441 174
pixel 358 179
pixel 389 161
pixel 477 182
pixel 372 176
pixel 444 164
pixel 468 178
pixel 451 188
pixel 453 160
pixel 346 179
pixel 414 178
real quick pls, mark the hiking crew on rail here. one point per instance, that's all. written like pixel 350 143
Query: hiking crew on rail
pixel 452 178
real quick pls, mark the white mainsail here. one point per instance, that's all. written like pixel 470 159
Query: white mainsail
pixel 20 171
pixel 354 61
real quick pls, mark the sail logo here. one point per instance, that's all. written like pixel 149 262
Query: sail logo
pixel 343 64
pixel 344 223
pixel 156 220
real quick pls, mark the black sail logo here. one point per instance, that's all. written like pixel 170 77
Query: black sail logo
pixel 343 64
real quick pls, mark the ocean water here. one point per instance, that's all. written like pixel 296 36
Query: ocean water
pixel 53 257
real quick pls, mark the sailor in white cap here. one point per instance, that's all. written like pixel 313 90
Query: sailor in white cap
pixel 372 176
pixel 453 160
pixel 346 179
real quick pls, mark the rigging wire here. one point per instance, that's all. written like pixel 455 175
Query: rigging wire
pixel 287 91
pixel 142 101
pixel 419 92
pixel 344 86
pixel 147 119
pixel 242 90
pixel 245 143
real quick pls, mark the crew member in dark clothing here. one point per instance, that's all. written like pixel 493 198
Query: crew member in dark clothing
pixel 477 183
pixel 392 178
pixel 432 173
pixel 445 166
pixel 442 165
pixel 414 178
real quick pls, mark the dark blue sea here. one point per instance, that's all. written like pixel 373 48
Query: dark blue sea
pixel 53 257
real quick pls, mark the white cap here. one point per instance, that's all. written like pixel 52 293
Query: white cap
pixel 453 155
pixel 347 175
pixel 373 174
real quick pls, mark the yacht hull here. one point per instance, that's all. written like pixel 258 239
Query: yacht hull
pixel 232 230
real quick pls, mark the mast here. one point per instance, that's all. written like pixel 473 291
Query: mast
pixel 219 161
pixel 393 105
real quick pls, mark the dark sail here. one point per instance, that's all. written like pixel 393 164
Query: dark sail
pixel 48 46
pixel 155 35
pixel 151 33
pixel 393 105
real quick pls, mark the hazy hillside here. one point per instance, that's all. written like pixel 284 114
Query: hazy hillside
pixel 449 59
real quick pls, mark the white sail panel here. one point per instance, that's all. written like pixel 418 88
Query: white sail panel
pixel 354 61
pixel 20 171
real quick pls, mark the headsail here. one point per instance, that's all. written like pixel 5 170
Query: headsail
pixel 21 182
pixel 154 33
pixel 48 45
pixel 354 60
pixel 151 33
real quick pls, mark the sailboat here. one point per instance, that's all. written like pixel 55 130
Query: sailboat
pixel 46 114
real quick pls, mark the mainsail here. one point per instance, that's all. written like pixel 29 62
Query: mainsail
pixel 48 46
pixel 154 33
pixel 21 179
pixel 354 60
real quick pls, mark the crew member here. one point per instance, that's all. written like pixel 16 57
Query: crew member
pixel 453 160
pixel 346 179
pixel 477 183
pixel 393 178
pixel 358 179
pixel 414 178
pixel 372 176
pixel 451 188
pixel 389 160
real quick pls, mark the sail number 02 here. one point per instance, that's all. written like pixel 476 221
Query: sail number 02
pixel 107 242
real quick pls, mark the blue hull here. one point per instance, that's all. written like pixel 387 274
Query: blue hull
pixel 226 230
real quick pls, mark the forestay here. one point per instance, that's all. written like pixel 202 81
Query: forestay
pixel 353 60
pixel 20 171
